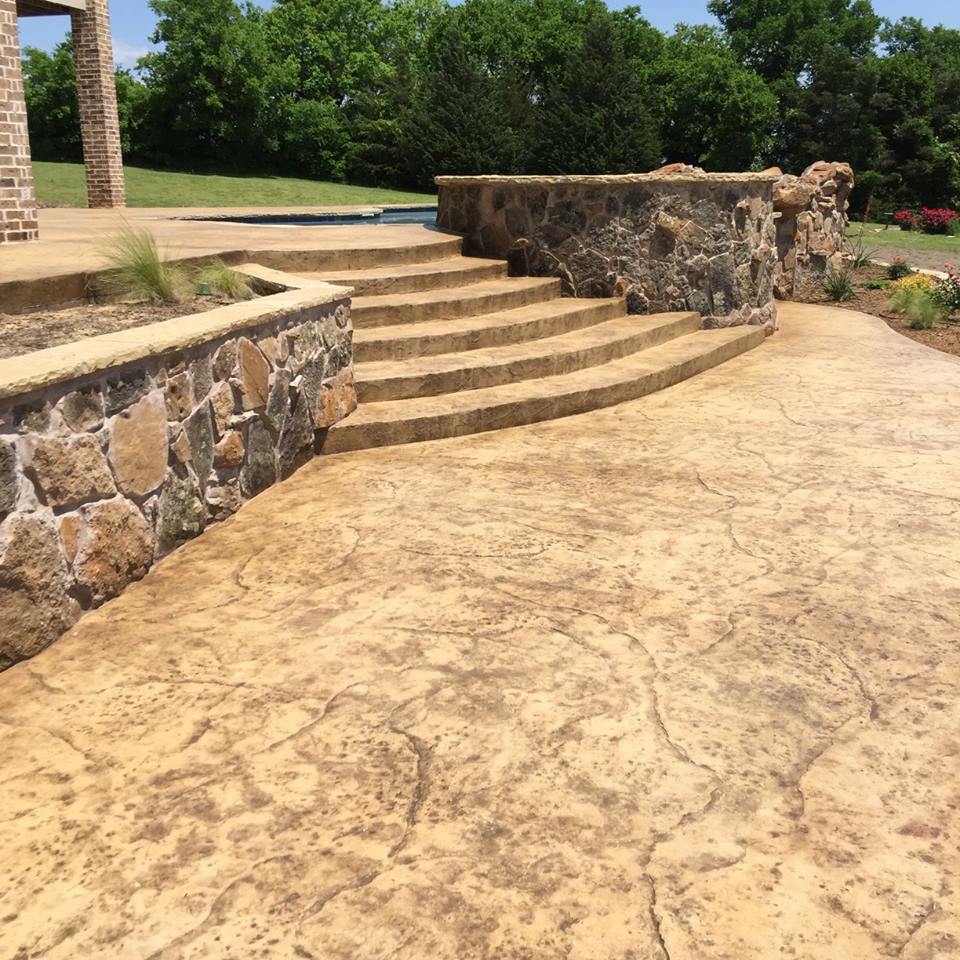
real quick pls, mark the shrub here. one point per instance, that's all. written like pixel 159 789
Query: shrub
pixel 919 304
pixel 217 277
pixel 898 269
pixel 907 219
pixel 838 286
pixel 938 219
pixel 137 271
pixel 916 281
pixel 947 291
pixel 877 284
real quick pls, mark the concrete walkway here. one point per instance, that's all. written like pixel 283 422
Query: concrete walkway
pixel 676 680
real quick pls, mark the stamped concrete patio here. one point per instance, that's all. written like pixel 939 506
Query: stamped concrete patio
pixel 673 680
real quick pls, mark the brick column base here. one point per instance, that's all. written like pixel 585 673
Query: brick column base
pixel 18 208
pixel 97 100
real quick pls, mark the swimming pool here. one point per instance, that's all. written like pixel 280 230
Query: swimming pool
pixel 427 216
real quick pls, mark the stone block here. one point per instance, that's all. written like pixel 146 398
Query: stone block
pixel 180 512
pixel 254 375
pixel 115 547
pixel 138 446
pixel 35 604
pixel 69 472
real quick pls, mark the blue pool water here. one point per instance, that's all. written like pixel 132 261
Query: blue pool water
pixel 422 215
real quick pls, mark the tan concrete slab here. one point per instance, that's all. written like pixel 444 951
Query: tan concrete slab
pixel 677 679
pixel 70 239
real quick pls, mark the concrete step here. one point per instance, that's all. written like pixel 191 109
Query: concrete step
pixel 490 367
pixel 530 401
pixel 470 301
pixel 371 248
pixel 531 322
pixel 416 277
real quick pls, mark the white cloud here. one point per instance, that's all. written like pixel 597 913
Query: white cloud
pixel 127 54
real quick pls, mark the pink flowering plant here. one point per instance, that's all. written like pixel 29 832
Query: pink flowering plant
pixel 907 219
pixel 948 290
pixel 938 219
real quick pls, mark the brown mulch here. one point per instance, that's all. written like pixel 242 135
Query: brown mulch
pixel 26 332
pixel 944 336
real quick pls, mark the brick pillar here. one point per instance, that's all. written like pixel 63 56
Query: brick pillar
pixel 18 208
pixel 97 99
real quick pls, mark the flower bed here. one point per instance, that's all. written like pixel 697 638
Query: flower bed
pixel 928 220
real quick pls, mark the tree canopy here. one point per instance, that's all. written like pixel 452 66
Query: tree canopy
pixel 393 92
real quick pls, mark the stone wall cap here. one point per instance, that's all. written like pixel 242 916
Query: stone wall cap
pixel 613 179
pixel 42 369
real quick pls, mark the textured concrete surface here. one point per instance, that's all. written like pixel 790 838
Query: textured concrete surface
pixel 71 240
pixel 677 679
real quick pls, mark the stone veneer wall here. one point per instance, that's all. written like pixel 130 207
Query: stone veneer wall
pixel 97 103
pixel 18 209
pixel 104 471
pixel 812 222
pixel 677 241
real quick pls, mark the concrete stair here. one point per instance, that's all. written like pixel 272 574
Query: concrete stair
pixel 451 346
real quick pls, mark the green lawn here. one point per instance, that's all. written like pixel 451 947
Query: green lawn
pixel 62 184
pixel 876 236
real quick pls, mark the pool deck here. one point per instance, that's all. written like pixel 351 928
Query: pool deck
pixel 676 680
pixel 70 238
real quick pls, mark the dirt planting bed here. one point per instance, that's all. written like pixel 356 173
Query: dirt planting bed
pixel 26 332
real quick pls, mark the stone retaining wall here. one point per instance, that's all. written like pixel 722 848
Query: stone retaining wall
pixel 668 241
pixel 112 455
pixel 812 222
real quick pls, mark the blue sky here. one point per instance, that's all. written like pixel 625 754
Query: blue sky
pixel 133 21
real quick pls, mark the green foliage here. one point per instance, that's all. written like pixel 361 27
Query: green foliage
pixel 899 269
pixel 838 286
pixel 392 92
pixel 219 278
pixel 594 117
pixel 858 256
pixel 137 271
pixel 918 305
pixel 717 112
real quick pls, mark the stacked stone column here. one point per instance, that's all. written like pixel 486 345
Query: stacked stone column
pixel 18 208
pixel 97 100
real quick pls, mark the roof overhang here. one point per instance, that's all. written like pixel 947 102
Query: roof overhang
pixel 47 8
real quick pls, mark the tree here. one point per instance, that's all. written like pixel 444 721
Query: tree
pixel 457 122
pixel 717 112
pixel 211 86
pixel 595 117
pixel 50 87
pixel 780 39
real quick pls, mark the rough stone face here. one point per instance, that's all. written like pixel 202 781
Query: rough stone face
pixel 338 399
pixel 223 405
pixel 254 376
pixel 296 440
pixel 259 471
pixel 35 607
pixel 179 396
pixel 229 451
pixel 82 410
pixel 225 361
pixel 9 481
pixel 813 222
pixel 223 500
pixel 100 477
pixel 198 428
pixel 70 472
pixel 635 236
pixel 278 403
pixel 201 373
pixel 114 548
pixel 138 446
pixel 180 513
pixel 123 392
